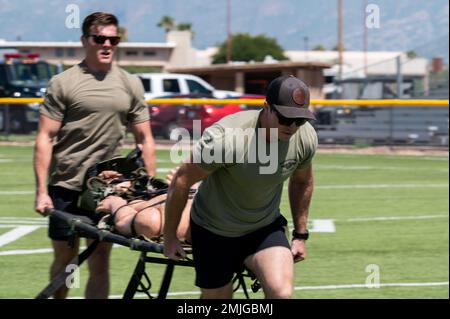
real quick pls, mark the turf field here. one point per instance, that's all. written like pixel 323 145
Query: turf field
pixel 372 217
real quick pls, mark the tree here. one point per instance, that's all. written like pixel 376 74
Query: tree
pixel 167 23
pixel 123 33
pixel 184 26
pixel 245 47
pixel 336 48
pixel 411 54
pixel 319 48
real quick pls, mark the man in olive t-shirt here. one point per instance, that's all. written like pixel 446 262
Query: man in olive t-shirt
pixel 82 121
pixel 243 161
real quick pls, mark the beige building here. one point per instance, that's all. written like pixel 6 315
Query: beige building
pixel 176 51
pixel 177 55
pixel 253 78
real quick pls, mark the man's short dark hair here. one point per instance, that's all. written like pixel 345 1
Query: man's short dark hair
pixel 98 18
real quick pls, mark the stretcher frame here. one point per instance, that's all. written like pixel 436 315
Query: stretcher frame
pixel 81 226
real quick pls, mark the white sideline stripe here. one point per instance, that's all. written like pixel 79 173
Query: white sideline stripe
pixel 16 192
pixel 21 218
pixel 24 222
pixel 26 251
pixel 39 251
pixel 380 186
pixel 395 168
pixel 164 161
pixel 321 226
pixel 317 225
pixel 435 158
pixel 350 186
pixel 409 284
pixel 328 287
pixel 16 233
pixel 21 224
pixel 395 218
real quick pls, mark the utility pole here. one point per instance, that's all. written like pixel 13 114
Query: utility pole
pixel 305 39
pixel 365 38
pixel 229 44
pixel 398 61
pixel 340 41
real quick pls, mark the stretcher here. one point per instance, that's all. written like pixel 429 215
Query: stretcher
pixel 140 281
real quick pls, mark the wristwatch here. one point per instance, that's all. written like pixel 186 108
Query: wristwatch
pixel 302 236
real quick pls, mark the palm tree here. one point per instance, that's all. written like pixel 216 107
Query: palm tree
pixel 319 47
pixel 123 33
pixel 186 26
pixel 167 23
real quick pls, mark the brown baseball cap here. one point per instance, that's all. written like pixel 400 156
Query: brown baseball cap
pixel 289 96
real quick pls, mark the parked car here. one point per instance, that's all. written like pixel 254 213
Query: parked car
pixel 208 114
pixel 165 117
pixel 22 76
pixel 163 84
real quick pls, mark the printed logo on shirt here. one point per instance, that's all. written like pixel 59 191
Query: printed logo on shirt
pixel 288 165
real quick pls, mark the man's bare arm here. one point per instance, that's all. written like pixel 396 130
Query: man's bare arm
pixel 144 137
pixel 301 186
pixel 186 176
pixel 48 128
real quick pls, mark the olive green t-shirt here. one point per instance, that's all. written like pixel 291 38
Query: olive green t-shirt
pixel 94 110
pixel 243 193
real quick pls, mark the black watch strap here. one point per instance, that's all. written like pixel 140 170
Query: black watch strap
pixel 302 236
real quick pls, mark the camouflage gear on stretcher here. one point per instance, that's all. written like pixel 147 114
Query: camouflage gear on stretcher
pixel 142 186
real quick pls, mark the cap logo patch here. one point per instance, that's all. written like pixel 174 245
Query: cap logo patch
pixel 299 96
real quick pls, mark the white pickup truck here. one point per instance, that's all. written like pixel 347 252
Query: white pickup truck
pixel 164 84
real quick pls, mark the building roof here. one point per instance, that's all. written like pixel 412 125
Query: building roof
pixel 77 44
pixel 378 62
pixel 257 66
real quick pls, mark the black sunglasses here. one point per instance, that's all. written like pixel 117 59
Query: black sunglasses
pixel 286 121
pixel 101 39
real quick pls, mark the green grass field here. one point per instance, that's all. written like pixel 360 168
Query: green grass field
pixel 390 212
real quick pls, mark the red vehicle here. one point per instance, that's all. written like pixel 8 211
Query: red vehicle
pixel 164 117
pixel 208 114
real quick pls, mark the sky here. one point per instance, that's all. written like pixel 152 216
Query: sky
pixel 296 24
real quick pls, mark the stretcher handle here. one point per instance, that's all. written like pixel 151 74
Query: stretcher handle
pixel 77 223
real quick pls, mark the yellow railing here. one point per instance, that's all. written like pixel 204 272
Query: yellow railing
pixel 390 102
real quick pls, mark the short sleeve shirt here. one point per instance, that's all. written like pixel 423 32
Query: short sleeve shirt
pixel 94 110
pixel 243 193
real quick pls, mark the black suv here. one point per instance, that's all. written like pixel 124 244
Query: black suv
pixel 22 76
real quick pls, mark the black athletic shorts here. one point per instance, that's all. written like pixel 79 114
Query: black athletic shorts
pixel 66 200
pixel 217 258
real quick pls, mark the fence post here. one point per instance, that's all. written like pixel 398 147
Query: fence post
pixel 7 121
pixel 391 125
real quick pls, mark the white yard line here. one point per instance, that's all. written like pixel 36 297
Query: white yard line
pixel 315 225
pixel 38 251
pixel 342 186
pixel 7 193
pixel 321 226
pixel 20 218
pixel 353 186
pixel 365 168
pixel 353 286
pixel 394 218
pixel 23 222
pixel 26 251
pixel 14 225
pixel 16 233
pixel 303 288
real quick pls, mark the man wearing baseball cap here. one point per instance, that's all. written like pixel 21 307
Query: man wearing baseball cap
pixel 235 216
